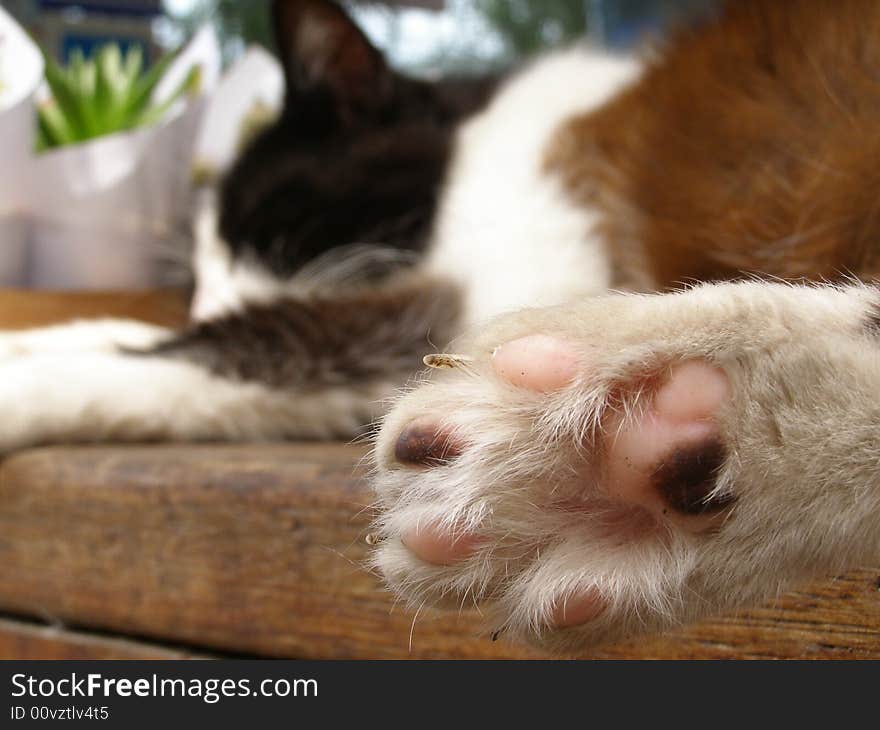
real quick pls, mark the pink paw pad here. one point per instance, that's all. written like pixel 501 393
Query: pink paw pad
pixel 440 547
pixel 665 463
pixel 669 460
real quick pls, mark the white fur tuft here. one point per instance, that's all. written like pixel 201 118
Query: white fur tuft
pixel 508 231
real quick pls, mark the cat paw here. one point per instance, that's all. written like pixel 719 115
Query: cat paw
pixel 631 467
pixel 107 335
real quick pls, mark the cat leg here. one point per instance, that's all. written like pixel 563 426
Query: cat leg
pixel 80 336
pixel 628 463
pixel 296 368
pixel 114 397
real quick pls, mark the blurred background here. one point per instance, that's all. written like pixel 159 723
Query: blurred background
pixel 102 198
pixel 423 36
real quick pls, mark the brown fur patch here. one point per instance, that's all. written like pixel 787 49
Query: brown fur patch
pixel 751 147
pixel 687 478
pixel 374 333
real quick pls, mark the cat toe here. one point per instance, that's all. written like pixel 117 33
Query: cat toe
pixel 438 545
pixel 669 458
pixel 423 443
pixel 666 459
pixel 537 362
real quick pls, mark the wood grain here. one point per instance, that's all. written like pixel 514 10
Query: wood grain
pixel 249 549
pixel 25 641
pixel 260 550
pixel 20 309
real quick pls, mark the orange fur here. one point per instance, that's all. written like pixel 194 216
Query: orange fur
pixel 751 146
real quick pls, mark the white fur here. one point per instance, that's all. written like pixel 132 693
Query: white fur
pixel 223 286
pixel 102 396
pixel 507 231
pixel 82 336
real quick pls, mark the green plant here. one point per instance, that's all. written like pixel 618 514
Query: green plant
pixel 112 93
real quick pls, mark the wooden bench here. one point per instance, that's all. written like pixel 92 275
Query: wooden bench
pixel 176 551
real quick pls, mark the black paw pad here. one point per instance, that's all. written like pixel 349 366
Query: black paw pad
pixel 687 477
pixel 421 444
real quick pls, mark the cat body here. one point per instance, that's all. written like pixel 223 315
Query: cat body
pixel 741 150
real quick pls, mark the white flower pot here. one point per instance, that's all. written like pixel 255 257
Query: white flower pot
pixel 14 250
pixel 104 212
pixel 256 79
pixel 21 72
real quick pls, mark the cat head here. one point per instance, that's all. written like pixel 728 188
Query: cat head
pixel 357 156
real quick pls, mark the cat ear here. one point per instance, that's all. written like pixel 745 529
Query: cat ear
pixel 322 48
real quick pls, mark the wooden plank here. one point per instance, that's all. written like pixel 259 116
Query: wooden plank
pixel 20 308
pixel 260 549
pixel 26 641
pixel 831 619
pixel 248 549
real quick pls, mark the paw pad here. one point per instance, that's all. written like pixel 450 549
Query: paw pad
pixel 423 444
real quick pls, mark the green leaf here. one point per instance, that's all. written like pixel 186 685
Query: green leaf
pixel 65 93
pixel 41 141
pixel 190 86
pixel 92 98
pixel 114 78
pixel 53 126
pixel 141 91
pixel 134 64
pixel 82 76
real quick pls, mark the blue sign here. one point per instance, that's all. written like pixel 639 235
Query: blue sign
pixel 89 45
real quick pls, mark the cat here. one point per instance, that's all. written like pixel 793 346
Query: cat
pixel 689 424
pixel 656 277
pixel 357 157
pixel 300 326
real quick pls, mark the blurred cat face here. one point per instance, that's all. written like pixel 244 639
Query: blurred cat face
pixel 358 156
